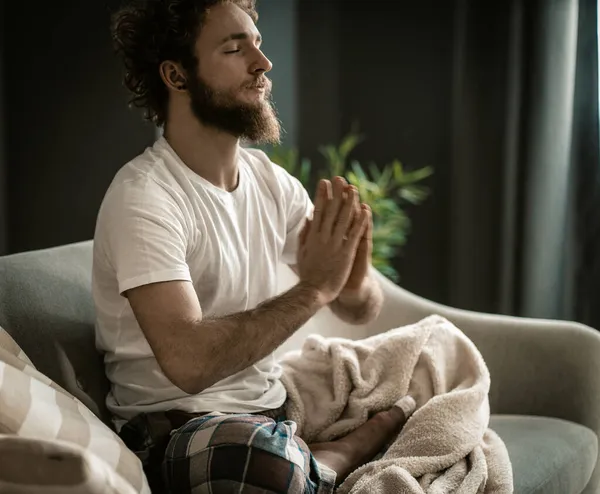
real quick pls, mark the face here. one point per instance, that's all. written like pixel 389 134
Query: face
pixel 230 90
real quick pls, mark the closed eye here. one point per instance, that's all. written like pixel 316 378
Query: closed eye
pixel 232 51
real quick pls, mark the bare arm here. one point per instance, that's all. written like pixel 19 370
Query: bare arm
pixel 196 352
pixel 358 306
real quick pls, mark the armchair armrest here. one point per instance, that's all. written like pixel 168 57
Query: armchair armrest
pixel 537 367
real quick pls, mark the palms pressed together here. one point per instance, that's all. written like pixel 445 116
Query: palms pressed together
pixel 362 260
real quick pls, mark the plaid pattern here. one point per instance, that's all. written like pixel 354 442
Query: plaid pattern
pixel 222 453
pixel 242 453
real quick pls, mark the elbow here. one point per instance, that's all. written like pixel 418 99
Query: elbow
pixel 186 376
pixel 188 385
pixel 361 306
pixel 359 318
pixel 358 314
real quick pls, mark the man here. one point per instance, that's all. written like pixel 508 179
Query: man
pixel 187 244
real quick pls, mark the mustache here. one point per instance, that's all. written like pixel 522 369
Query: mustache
pixel 259 83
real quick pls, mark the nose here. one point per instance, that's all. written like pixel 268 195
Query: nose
pixel 262 64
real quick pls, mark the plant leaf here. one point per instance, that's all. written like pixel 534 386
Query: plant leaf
pixel 398 171
pixel 385 178
pixel 304 174
pixel 413 194
pixel 358 170
pixel 386 189
pixel 414 176
pixel 348 144
pixel 374 172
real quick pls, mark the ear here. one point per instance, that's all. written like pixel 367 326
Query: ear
pixel 173 76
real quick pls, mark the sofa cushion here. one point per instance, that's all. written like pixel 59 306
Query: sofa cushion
pixel 548 455
pixel 47 307
pixel 34 407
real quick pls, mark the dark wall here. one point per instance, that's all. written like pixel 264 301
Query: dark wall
pixel 388 66
pixel 68 125
pixel 319 71
pixel 3 198
pixel 397 82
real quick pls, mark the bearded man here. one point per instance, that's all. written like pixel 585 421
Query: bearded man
pixel 187 243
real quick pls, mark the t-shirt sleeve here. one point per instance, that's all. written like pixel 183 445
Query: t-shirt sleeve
pixel 145 234
pixel 298 207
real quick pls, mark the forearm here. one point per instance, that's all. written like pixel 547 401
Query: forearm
pixel 360 306
pixel 221 347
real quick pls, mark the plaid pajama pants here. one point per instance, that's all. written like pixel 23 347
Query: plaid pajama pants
pixel 226 453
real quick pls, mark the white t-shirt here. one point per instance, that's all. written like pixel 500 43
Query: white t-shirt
pixel 159 221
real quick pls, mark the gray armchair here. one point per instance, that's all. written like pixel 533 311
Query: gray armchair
pixel 545 395
pixel 545 389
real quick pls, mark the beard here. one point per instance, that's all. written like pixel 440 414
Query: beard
pixel 255 122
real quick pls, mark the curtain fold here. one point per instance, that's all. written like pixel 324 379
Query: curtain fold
pixel 587 183
pixel 507 266
pixel 548 158
pixel 525 171
pixel 478 159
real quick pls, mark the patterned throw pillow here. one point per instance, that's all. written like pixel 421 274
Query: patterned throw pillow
pixel 34 407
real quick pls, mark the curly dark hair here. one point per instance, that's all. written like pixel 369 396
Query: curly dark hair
pixel 148 32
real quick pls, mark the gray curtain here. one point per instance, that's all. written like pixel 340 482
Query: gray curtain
pixel 547 160
pixel 502 102
pixel 525 90
pixel 587 181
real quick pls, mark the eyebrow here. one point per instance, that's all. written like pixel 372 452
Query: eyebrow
pixel 240 36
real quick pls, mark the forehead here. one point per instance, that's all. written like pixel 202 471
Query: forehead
pixel 224 20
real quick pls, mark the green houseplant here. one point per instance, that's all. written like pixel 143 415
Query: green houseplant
pixel 386 189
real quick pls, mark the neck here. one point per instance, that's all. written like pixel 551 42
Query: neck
pixel 208 152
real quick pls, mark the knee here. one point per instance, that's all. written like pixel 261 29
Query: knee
pixel 228 451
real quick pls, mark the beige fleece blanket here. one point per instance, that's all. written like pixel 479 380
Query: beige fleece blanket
pixel 445 447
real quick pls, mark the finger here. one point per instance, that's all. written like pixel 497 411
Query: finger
pixel 357 231
pixel 369 228
pixel 346 215
pixel 333 207
pixel 356 216
pixel 366 242
pixel 323 193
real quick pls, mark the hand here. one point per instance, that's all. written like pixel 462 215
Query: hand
pixel 362 261
pixel 329 242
